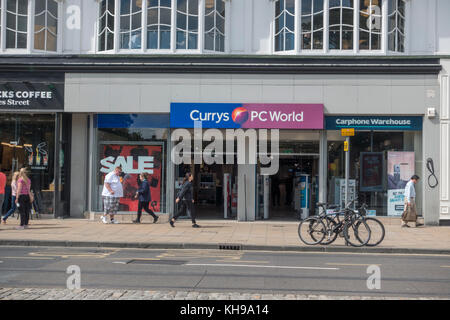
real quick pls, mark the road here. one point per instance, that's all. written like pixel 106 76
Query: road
pixel 333 274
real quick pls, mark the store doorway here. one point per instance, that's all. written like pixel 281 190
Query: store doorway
pixel 215 189
pixel 291 193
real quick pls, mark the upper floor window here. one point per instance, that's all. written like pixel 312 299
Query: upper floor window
pixel 284 25
pixel 130 24
pixel 312 24
pixel 159 21
pixel 341 24
pixel 215 25
pixel 396 22
pixel 187 24
pixel 16 24
pixel 370 24
pixel 106 25
pixel 46 25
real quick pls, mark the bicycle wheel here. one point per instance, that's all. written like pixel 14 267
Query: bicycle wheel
pixel 330 232
pixel 377 231
pixel 357 236
pixel 311 231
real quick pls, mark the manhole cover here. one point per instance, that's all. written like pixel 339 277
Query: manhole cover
pixel 169 262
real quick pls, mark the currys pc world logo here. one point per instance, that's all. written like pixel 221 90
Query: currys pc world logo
pixel 247 116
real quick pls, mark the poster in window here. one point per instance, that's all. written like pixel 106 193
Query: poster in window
pixel 371 171
pixel 399 171
pixel 135 159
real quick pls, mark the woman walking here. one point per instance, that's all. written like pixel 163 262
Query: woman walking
pixel 24 198
pixel 14 196
pixel 186 198
pixel 144 198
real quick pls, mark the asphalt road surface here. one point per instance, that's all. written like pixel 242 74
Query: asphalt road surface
pixel 333 274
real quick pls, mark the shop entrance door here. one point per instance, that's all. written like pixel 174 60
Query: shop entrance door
pixel 291 193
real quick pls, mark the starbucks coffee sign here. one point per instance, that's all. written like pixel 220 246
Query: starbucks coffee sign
pixel 24 95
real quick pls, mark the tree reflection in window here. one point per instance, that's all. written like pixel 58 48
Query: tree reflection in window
pixel 396 23
pixel 312 24
pixel 284 25
pixel 370 24
pixel 215 25
pixel 341 24
pixel 158 24
pixel 130 24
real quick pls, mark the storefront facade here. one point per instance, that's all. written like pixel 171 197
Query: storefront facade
pixel 125 119
pixel 35 134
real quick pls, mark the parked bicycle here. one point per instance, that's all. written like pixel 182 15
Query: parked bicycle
pixel 357 229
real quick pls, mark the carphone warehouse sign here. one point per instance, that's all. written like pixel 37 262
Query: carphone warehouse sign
pixel 374 123
pixel 247 116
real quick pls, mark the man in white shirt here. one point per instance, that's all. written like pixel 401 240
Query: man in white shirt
pixel 112 192
pixel 410 203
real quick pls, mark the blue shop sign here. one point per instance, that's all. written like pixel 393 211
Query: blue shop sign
pixel 394 123
pixel 132 121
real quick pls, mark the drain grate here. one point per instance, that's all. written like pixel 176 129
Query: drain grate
pixel 230 247
pixel 167 262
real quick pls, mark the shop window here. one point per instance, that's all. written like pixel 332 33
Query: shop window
pixel 159 24
pixel 341 24
pixel 370 24
pixel 106 25
pixel 130 24
pixel 396 22
pixel 136 150
pixel 16 24
pixel 312 24
pixel 46 25
pixel 28 141
pixel 215 25
pixel 187 24
pixel 284 25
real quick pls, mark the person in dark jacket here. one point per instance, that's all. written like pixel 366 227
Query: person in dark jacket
pixel 185 198
pixel 144 196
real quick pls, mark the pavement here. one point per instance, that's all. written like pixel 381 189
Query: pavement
pixel 213 234
pixel 105 294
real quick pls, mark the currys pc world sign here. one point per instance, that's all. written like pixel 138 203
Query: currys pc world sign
pixel 247 115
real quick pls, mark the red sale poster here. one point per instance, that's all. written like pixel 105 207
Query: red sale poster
pixel 135 159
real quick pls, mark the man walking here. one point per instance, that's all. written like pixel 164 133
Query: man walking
pixel 112 192
pixel 410 212
pixel 2 191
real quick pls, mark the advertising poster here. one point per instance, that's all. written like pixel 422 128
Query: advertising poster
pixel 400 168
pixel 135 159
pixel 371 171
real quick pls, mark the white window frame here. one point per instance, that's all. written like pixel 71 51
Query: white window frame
pixel 285 29
pixel 396 13
pixel 97 28
pixel 130 30
pixel 324 30
pixel 59 28
pixel 187 16
pixel 383 33
pixel 30 31
pixel 226 28
pixel 158 50
pixel 341 25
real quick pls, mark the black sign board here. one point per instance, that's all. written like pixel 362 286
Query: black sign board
pixel 33 93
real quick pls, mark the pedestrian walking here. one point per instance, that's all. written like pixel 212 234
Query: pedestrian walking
pixel 144 198
pixel 2 190
pixel 410 212
pixel 24 198
pixel 14 196
pixel 185 199
pixel 112 192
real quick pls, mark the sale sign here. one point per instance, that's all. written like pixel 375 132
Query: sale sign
pixel 135 159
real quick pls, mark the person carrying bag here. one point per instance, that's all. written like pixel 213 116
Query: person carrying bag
pixel 24 198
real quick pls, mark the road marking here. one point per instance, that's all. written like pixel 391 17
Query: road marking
pixel 29 258
pixel 70 255
pixel 353 264
pixel 256 266
pixel 119 262
pixel 445 266
pixel 244 261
